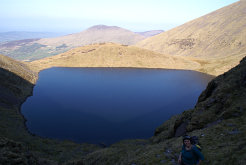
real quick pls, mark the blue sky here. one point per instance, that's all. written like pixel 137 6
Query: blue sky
pixel 77 15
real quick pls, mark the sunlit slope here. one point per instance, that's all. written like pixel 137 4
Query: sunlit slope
pixel 220 33
pixel 18 68
pixel 114 55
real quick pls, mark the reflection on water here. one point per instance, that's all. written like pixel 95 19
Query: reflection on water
pixel 106 105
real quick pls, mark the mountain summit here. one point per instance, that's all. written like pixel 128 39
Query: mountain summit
pixel 103 27
pixel 95 34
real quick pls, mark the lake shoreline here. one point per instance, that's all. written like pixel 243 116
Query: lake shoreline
pixel 124 68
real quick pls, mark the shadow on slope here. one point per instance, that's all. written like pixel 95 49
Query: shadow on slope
pixel 17 146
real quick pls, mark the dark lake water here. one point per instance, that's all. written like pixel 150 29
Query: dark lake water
pixel 105 105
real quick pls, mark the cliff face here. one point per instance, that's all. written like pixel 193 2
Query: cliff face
pixel 224 98
pixel 218 118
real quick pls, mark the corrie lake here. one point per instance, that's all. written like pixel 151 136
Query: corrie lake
pixel 106 105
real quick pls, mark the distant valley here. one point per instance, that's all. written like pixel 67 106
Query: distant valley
pixel 150 33
pixel 30 49
pixel 21 35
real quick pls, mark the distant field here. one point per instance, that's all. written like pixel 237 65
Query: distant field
pixel 21 35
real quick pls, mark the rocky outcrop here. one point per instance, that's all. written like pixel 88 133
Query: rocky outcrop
pixel 224 98
pixel 12 152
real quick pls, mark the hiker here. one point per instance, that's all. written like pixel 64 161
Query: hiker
pixel 190 154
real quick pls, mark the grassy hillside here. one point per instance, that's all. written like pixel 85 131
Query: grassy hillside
pixel 219 33
pixel 114 55
pixel 215 36
pixel 21 69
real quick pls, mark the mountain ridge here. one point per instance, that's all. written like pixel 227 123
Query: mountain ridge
pixel 206 36
pixel 113 55
pixel 217 41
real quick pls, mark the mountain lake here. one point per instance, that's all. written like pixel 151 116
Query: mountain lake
pixel 106 105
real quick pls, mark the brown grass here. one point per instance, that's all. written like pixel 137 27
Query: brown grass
pixel 114 55
pixel 210 39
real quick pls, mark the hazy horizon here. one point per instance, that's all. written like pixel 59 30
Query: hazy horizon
pixel 72 16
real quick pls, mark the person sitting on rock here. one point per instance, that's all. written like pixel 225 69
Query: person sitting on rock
pixel 190 154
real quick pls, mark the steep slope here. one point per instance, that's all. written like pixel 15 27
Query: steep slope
pixel 219 118
pixel 220 34
pixel 21 69
pixel 16 83
pixel 113 55
pixel 13 91
pixel 17 146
